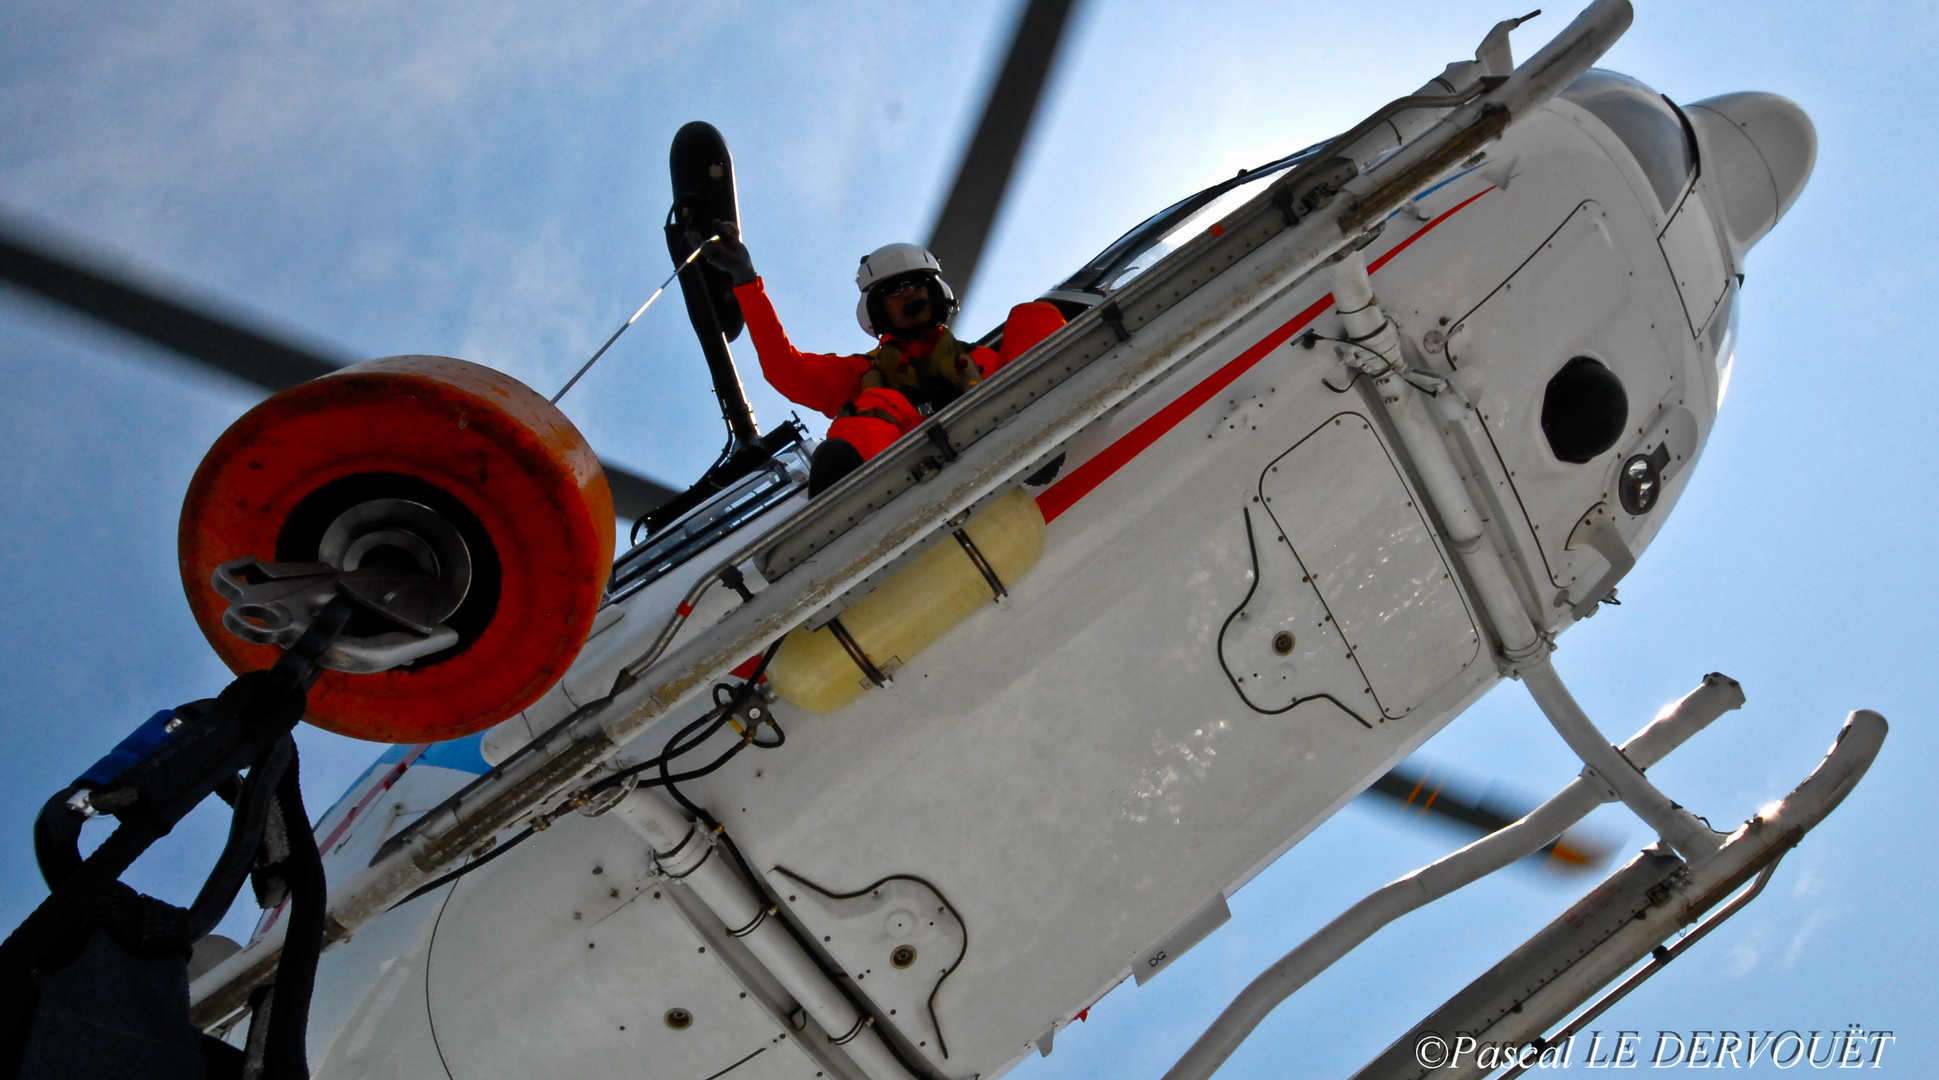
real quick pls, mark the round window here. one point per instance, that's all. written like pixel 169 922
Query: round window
pixel 1584 410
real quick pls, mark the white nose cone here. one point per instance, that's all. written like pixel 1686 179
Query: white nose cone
pixel 1758 150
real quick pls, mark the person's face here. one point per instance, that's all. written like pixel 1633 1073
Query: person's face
pixel 908 304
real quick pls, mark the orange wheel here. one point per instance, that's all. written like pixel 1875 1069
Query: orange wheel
pixel 510 474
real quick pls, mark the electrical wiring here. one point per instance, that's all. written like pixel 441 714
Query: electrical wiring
pixel 684 741
pixel 718 717
pixel 446 879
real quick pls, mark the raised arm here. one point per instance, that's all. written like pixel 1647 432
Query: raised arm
pixel 823 382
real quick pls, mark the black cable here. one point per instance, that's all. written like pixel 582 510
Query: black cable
pixel 246 825
pixel 446 879
pixel 746 690
pixel 668 781
pixel 675 747
pixel 714 720
pixel 780 736
pixel 737 1064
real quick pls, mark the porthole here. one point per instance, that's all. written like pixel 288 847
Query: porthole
pixel 1584 410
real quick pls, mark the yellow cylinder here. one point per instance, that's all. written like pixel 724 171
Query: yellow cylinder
pixel 816 671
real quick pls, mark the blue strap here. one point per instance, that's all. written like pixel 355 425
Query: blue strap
pixel 130 751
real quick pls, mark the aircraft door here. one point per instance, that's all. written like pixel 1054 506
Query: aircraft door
pixel 1365 548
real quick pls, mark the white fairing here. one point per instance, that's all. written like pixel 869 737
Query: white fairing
pixel 1082 774
pixel 1758 151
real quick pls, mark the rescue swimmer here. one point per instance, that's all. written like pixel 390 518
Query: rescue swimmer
pixel 917 367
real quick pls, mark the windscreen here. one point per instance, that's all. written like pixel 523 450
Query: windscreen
pixel 1646 123
pixel 1164 232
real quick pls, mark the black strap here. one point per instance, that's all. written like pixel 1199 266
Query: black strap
pixel 301 870
pixel 982 565
pixel 856 654
pixel 247 727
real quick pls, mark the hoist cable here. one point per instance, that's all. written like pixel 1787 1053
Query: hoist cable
pixel 587 366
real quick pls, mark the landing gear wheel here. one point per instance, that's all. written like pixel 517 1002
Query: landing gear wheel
pixel 445 463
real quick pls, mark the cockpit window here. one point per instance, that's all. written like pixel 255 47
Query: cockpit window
pixel 1646 123
pixel 1162 233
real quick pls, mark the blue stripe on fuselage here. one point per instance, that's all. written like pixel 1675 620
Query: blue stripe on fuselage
pixel 464 755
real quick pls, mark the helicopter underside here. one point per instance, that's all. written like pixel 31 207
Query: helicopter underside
pixel 1243 615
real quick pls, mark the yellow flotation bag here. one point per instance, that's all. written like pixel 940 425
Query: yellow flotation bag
pixel 824 669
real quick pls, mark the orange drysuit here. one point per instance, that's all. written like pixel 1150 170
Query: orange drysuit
pixel 873 397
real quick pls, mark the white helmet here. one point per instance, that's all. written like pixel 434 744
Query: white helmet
pixel 895 260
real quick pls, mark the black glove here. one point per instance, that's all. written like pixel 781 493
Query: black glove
pixel 727 253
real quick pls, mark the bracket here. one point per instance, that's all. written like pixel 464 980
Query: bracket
pixel 1597 530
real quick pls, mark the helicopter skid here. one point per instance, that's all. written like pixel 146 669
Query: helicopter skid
pixel 1716 695
pixel 1499 1018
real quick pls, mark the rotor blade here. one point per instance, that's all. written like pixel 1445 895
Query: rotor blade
pixel 634 496
pixel 974 199
pixel 221 342
pixel 1433 795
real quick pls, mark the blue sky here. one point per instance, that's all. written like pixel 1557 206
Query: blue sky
pixel 487 180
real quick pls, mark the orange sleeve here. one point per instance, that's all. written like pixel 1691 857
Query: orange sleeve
pixel 987 361
pixel 1027 325
pixel 823 382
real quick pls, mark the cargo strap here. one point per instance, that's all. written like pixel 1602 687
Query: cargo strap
pixel 982 565
pixel 856 654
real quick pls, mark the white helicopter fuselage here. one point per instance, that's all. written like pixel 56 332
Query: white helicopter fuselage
pixel 1245 612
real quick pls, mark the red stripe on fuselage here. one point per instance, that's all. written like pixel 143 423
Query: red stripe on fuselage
pixel 1084 479
pixel 1374 266
pixel 376 789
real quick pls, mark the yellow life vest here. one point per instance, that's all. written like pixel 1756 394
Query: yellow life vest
pixel 930 372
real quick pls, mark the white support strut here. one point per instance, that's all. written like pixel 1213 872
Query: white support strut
pixel 1523 648
pixel 1679 828
pixel 1717 695
pixel 713 879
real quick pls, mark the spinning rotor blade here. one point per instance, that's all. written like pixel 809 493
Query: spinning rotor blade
pixel 634 496
pixel 220 343
pixel 217 341
pixel 1430 794
pixel 968 214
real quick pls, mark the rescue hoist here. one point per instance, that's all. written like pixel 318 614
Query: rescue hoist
pixel 409 550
